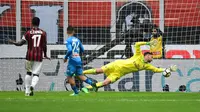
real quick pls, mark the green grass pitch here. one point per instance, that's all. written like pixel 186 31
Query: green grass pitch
pixel 100 102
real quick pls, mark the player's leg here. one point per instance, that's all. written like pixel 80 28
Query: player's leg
pixel 73 85
pixel 111 73
pixel 108 70
pixel 34 82
pixel 28 66
pixel 35 71
pixel 88 81
pixel 89 87
pixel 21 87
pixel 93 71
pixel 103 69
pixel 28 83
pixel 17 87
pixel 70 73
pixel 110 79
pixel 79 72
pixel 79 84
pixel 113 77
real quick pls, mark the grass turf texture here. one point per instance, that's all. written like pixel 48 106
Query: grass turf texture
pixel 100 102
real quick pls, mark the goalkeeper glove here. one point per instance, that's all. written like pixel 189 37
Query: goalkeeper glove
pixel 173 68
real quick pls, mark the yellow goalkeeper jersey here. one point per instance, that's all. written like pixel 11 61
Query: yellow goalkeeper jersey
pixel 135 63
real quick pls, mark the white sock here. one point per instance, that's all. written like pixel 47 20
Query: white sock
pixel 27 83
pixel 34 81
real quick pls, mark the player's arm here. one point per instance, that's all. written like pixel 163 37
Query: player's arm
pixel 19 43
pixel 69 50
pixel 81 48
pixel 154 69
pixel 166 71
pixel 172 68
pixel 137 47
pixel 138 44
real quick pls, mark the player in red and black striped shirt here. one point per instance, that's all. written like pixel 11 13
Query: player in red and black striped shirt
pixel 37 45
pixel 36 39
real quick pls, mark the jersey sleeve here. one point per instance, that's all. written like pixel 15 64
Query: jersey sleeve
pixel 69 48
pixel 24 37
pixel 137 47
pixel 154 69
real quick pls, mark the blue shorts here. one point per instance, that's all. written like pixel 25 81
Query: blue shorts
pixel 73 69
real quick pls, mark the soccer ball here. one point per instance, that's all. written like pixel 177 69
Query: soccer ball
pixel 166 72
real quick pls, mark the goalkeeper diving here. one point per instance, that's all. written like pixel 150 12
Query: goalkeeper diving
pixel 138 62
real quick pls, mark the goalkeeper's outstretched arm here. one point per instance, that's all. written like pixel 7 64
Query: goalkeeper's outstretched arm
pixel 154 69
pixel 137 47
pixel 138 44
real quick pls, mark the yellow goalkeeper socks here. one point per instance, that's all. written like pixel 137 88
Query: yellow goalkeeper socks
pixel 89 87
pixel 99 84
pixel 90 71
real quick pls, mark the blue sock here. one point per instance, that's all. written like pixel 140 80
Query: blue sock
pixel 74 88
pixel 88 81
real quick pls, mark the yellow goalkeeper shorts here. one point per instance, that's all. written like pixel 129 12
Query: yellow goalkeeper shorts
pixel 111 72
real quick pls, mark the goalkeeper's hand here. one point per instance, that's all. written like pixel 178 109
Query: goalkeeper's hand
pixel 173 68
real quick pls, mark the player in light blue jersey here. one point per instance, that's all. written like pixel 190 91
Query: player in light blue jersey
pixel 74 49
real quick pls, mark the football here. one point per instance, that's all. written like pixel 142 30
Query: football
pixel 167 72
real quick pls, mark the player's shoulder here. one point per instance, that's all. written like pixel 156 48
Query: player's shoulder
pixel 44 32
pixel 75 38
pixel 72 38
pixel 33 30
pixel 27 32
pixel 68 40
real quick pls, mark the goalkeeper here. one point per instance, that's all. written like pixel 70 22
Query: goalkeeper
pixel 138 62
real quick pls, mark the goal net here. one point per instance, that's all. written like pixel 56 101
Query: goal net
pixel 108 30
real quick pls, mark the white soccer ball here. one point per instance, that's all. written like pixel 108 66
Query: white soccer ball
pixel 166 72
